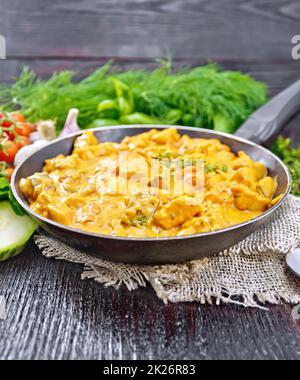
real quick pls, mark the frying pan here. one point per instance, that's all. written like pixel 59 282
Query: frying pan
pixel 261 127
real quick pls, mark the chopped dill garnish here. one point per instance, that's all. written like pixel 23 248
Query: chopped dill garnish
pixel 139 221
pixel 163 156
pixel 209 168
pixel 224 168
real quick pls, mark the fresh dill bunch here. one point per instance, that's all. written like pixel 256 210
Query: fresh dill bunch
pixel 52 98
pixel 204 96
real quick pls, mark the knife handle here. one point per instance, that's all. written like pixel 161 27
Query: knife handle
pixel 266 123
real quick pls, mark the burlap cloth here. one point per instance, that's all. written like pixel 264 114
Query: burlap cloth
pixel 251 273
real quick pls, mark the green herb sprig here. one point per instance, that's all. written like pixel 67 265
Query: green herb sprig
pixel 291 157
pixel 139 221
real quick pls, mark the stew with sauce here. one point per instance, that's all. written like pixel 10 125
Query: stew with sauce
pixel 111 188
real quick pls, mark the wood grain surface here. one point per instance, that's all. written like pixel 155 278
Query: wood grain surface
pixel 150 28
pixel 51 312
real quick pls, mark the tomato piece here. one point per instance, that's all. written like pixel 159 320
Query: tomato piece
pixel 11 135
pixel 17 118
pixel 10 152
pixel 5 123
pixel 23 129
pixel 4 136
pixel 22 141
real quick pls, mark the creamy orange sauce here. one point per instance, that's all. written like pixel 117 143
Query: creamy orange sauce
pixel 88 190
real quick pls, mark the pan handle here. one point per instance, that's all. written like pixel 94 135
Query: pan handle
pixel 266 123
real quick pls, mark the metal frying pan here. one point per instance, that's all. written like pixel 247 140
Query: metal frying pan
pixel 260 128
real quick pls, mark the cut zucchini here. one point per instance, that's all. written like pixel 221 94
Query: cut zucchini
pixel 15 231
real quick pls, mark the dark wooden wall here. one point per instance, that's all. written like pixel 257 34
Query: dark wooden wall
pixel 211 29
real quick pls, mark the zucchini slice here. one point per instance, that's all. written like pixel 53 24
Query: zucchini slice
pixel 15 231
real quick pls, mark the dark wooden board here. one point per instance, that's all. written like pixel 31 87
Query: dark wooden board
pixel 53 314
pixel 150 28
